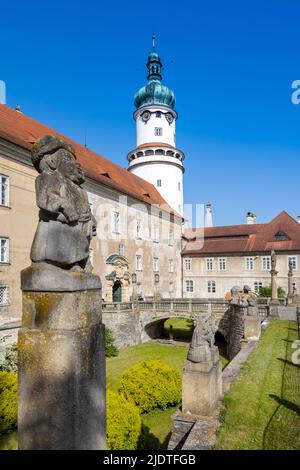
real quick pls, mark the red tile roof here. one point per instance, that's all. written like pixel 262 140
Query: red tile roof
pixel 250 238
pixel 22 130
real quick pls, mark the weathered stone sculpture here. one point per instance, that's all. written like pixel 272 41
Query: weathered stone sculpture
pixel 249 300
pixel 61 342
pixel 291 292
pixel 202 375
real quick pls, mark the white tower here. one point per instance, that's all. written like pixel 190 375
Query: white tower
pixel 156 158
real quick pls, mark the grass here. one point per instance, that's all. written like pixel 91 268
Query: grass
pixel 262 408
pixel 182 328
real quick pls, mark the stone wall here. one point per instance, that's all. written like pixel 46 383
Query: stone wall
pixel 236 331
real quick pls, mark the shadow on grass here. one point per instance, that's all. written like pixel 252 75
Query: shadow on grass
pixel 286 361
pixel 287 404
pixel 148 441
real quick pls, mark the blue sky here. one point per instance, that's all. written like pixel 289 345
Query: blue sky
pixel 75 66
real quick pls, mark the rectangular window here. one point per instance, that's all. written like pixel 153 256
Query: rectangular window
pixel 138 228
pixel 171 266
pixel 4 250
pixel 179 186
pixel 266 263
pixel 222 264
pixel 211 287
pixel 171 237
pixel 4 190
pixel 257 286
pixel 139 288
pixel 294 262
pixel 4 298
pixel 116 222
pixel 138 262
pixel 249 263
pixel 157 130
pixel 188 264
pixel 155 233
pixel 121 250
pixel 155 265
pixel 209 264
pixel 189 285
pixel 158 183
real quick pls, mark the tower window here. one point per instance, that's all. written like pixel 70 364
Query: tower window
pixel 179 186
pixel 157 130
pixel 158 114
pixel 158 183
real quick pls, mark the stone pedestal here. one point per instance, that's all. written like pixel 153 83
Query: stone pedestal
pixel 61 371
pixel 252 327
pixel 201 386
pixel 274 294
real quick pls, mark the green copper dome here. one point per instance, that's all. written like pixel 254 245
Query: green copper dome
pixel 154 92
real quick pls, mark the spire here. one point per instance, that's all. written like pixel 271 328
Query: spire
pixel 154 64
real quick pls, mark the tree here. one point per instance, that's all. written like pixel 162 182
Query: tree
pixel 110 347
pixel 266 292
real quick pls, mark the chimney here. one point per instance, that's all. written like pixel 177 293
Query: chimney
pixel 2 92
pixel 208 215
pixel 298 219
pixel 251 218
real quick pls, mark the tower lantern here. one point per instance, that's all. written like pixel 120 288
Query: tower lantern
pixel 156 157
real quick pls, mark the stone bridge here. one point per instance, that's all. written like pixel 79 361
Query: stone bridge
pixel 138 322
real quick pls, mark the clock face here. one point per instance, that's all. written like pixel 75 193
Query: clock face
pixel 169 118
pixel 146 116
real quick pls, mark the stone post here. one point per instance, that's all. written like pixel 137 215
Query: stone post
pixel 202 372
pixel 290 296
pixel 274 291
pixel 61 344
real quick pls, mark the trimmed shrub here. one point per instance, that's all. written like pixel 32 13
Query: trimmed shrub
pixel 8 401
pixel 151 384
pixel 110 348
pixel 123 422
pixel 8 357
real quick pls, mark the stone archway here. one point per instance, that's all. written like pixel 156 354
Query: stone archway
pixel 118 279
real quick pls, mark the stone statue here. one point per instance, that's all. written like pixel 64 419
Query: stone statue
pixel 61 245
pixel 202 344
pixel 273 260
pixel 249 299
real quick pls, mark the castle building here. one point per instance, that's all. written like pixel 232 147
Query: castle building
pixel 141 247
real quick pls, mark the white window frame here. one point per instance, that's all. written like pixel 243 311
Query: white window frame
pixel 189 285
pixel 139 229
pixel 257 286
pixel 6 192
pixel 294 257
pixel 222 262
pixel 155 264
pixel 4 241
pixel 209 262
pixel 158 131
pixel 116 222
pixel 188 264
pixel 155 233
pixel 121 249
pixel 171 265
pixel 249 263
pixel 266 263
pixel 138 262
pixel 171 237
pixel 211 287
pixel 4 296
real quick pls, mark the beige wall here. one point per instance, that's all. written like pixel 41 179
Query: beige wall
pixel 235 274
pixel 19 221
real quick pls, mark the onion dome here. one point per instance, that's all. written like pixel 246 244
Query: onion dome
pixel 154 92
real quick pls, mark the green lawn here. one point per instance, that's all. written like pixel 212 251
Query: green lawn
pixel 262 408
pixel 182 328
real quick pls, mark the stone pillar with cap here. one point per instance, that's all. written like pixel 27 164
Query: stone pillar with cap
pixel 202 372
pixel 61 344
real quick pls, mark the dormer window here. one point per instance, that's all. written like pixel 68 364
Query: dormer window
pixel 280 236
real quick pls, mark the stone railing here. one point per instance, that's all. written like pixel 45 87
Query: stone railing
pixel 177 306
